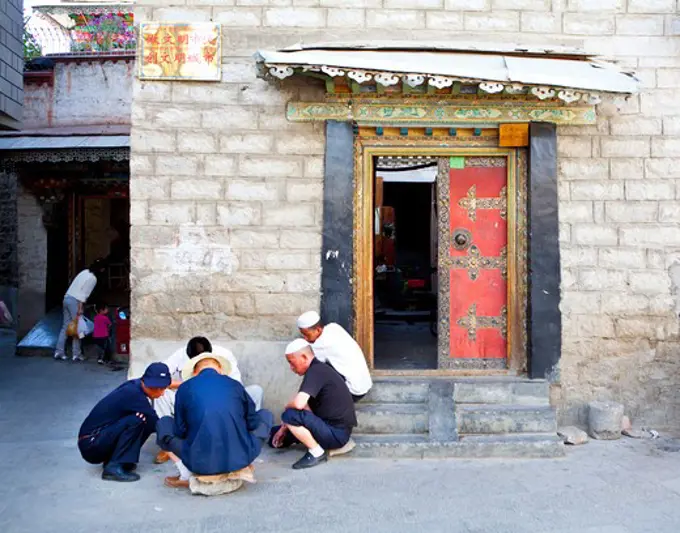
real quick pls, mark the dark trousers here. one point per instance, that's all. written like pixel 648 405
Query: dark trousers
pixel 328 437
pixel 104 346
pixel 168 441
pixel 356 398
pixel 118 443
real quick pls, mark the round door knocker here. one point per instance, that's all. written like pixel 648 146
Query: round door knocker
pixel 462 239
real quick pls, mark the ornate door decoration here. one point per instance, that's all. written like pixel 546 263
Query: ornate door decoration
pixel 473 262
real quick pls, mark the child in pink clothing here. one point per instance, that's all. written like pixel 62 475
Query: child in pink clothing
pixel 102 332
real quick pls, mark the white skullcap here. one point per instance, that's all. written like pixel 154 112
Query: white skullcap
pixel 296 346
pixel 308 319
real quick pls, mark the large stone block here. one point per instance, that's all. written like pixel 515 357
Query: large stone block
pixel 580 302
pixel 603 279
pixel 395 19
pixel 297 239
pixel 288 260
pixel 650 282
pixel 625 147
pixel 294 17
pixel 196 142
pixel 540 22
pixel 235 17
pixel 229 118
pixel 635 125
pixel 593 234
pixel 631 211
pixel 639 24
pixel 247 190
pixel 171 213
pixel 619 304
pixel 177 165
pixel 522 5
pixel 196 189
pixel 444 20
pixel 621 258
pixel 153 141
pixel 468 5
pixel 583 169
pixel 284 304
pixel 604 420
pixel 601 5
pixel 650 190
pixel 346 18
pixel 594 190
pixel 627 169
pixel 576 212
pixel 665 146
pixel 301 144
pixel 271 167
pixel 239 214
pixel 495 21
pixel 663 168
pixel 252 143
pixel 254 238
pixel 150 187
pixel 573 146
pixel 652 235
pixel 651 6
pixel 588 24
pixel 304 191
pixel 293 215
pixel 220 165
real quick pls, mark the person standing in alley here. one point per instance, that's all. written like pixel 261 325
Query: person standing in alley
pixel 74 302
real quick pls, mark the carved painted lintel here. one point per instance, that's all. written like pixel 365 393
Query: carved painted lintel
pixel 438 114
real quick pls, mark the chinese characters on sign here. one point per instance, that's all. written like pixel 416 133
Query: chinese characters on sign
pixel 180 51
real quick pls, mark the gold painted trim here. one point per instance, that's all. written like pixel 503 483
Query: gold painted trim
pixel 439 113
pixel 365 150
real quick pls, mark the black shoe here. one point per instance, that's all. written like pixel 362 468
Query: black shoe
pixel 117 473
pixel 308 461
pixel 129 467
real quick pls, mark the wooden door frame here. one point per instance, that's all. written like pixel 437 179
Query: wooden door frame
pixel 363 277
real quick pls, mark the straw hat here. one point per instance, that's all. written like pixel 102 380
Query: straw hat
pixel 188 369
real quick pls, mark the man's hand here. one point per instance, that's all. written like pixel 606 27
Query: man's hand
pixel 174 385
pixel 277 441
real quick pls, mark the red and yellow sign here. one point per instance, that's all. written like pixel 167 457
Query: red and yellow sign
pixel 177 51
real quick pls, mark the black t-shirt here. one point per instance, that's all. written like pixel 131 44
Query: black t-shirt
pixel 330 398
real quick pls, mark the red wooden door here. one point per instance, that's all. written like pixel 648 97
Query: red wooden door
pixel 474 263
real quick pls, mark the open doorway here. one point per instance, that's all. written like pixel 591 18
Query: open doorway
pixel 405 263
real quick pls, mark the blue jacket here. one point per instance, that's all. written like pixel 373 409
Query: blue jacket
pixel 127 399
pixel 215 416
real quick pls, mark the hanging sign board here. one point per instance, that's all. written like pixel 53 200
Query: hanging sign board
pixel 513 135
pixel 180 51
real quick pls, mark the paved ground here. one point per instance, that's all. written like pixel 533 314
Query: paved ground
pixel 623 487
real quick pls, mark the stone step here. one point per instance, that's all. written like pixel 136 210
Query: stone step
pixel 387 418
pixel 498 419
pixel 521 392
pixel 497 446
pixel 398 391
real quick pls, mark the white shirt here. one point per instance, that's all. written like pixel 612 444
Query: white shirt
pixel 82 286
pixel 337 347
pixel 178 359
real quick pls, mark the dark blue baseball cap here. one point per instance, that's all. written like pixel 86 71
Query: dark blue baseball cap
pixel 157 376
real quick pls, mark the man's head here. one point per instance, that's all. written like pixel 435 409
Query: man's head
pixel 310 326
pixel 208 363
pixel 204 361
pixel 98 266
pixel 155 380
pixel 299 356
pixel 197 346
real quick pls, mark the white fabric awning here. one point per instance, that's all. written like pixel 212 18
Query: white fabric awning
pixel 543 75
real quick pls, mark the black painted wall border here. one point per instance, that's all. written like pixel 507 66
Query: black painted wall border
pixel 337 255
pixel 544 317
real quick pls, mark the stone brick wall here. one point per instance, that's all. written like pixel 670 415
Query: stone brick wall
pixel 11 63
pixel 226 195
pixel 85 92
pixel 32 261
